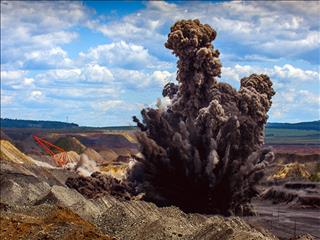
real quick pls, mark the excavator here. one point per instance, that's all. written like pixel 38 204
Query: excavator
pixel 58 154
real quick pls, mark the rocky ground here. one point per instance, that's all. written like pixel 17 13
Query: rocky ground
pixel 35 204
pixel 45 222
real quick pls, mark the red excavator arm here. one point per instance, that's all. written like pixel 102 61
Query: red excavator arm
pixel 59 157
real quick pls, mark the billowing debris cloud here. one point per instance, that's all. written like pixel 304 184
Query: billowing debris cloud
pixel 86 166
pixel 203 151
pixel 97 185
pixel 202 146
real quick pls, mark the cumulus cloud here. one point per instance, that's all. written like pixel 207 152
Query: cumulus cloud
pixel 40 52
pixel 289 104
pixel 291 72
pixel 136 27
pixel 162 77
pixel 6 97
pixel 122 54
pixel 43 15
pixel 106 105
pixel 51 58
pixel 31 32
pixel 12 75
pixel 28 81
pixel 237 72
pixel 89 73
pixel 109 77
pixel 135 79
pixel 270 29
pixel 15 79
pixel 96 73
pixel 286 72
pixel 308 97
pixel 83 93
pixel 36 95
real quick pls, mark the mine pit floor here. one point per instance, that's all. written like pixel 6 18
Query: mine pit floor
pixel 285 222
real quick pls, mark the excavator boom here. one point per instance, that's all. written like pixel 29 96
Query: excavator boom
pixel 60 158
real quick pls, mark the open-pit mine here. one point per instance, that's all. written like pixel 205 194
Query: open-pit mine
pixel 196 167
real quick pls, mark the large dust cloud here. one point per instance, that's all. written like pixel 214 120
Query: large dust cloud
pixel 202 149
pixel 203 152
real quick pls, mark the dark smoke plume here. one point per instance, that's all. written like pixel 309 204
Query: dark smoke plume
pixel 203 152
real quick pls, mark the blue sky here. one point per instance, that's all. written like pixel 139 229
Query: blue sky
pixel 98 63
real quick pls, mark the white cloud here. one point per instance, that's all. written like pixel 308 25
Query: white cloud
pixel 36 95
pixel 51 39
pixel 31 32
pixel 43 15
pixel 295 102
pixel 287 72
pixel 89 73
pixel 292 47
pixel 106 105
pixel 131 29
pixel 291 72
pixel 162 77
pixel 12 75
pixel 6 98
pixel 117 105
pixel 309 98
pixel 272 29
pixel 28 81
pixel 121 54
pixel 15 79
pixel 132 78
pixel 140 79
pixel 86 94
pixel 35 34
pixel 50 58
pixel 96 73
pixel 237 72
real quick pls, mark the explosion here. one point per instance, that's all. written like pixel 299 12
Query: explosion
pixel 203 152
pixel 202 149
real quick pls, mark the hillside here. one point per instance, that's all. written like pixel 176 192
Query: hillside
pixel 10 153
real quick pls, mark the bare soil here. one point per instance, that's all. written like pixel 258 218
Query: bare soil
pixel 285 222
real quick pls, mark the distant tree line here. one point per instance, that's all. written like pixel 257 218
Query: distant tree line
pixel 16 123
pixel 314 125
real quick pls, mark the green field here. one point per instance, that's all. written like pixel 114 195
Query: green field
pixel 292 136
